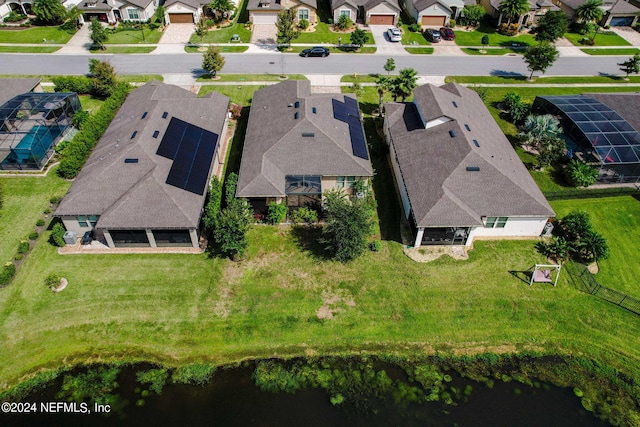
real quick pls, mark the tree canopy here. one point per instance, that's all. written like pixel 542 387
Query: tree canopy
pixel 473 13
pixel 590 11
pixel 539 58
pixel 286 25
pixel 212 61
pixel 347 228
pixel 50 12
pixel 103 77
pixel 97 33
pixel 551 26
pixel 512 9
pixel 359 37
pixel 404 84
pixel 631 65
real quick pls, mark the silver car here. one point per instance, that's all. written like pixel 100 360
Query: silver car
pixel 394 34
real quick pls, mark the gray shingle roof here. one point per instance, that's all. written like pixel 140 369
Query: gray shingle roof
pixel 274 146
pixel 135 195
pixel 626 104
pixel 272 5
pixel 442 192
pixel 14 87
pixel 622 7
pixel 367 4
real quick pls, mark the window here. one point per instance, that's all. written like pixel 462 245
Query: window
pixel 345 181
pixel 133 14
pixel 495 222
pixel 303 14
pixel 86 221
pixel 345 12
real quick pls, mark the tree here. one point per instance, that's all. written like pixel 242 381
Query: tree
pixel 73 15
pixel 384 84
pixel 104 78
pixel 50 12
pixel 473 13
pixel 485 40
pixel 590 11
pixel 359 37
pixel 212 61
pixel 631 65
pixel 404 83
pixel 344 23
pixel 551 26
pixel 539 58
pixel 517 109
pixel 212 208
pixel 98 34
pixel 222 7
pixel 581 174
pixel 347 228
pixel 550 149
pixel 233 222
pixel 390 65
pixel 159 15
pixel 201 29
pixel 513 9
pixel 536 128
pixel 286 24
pixel 592 246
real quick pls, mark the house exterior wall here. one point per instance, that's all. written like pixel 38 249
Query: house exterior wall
pixel 435 10
pixel 330 182
pixel 72 224
pixel 336 12
pixel 404 196
pixel 515 227
pixel 489 8
pixel 382 9
pixel 312 12
pixel 5 10
pixel 181 8
pixel 566 9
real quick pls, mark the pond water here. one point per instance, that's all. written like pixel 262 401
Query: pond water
pixel 231 398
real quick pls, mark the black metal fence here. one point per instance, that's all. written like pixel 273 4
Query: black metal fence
pixel 583 279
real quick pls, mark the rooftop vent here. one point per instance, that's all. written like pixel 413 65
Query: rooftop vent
pixel 133 135
pixel 164 115
pixel 454 104
pixel 466 126
pixel 156 133
pixel 476 143
pixel 473 168
pixel 308 134
pixel 452 133
pixel 144 115
pixel 131 160
pixel 296 115
pixel 297 104
pixel 313 109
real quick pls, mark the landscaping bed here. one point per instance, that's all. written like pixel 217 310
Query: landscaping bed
pixel 604 38
pixel 474 38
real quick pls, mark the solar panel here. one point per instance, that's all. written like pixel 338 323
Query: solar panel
pixel 339 110
pixel 197 181
pixel 352 106
pixel 358 141
pixel 171 139
pixel 181 167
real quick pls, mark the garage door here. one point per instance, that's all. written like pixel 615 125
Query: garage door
pixel 265 18
pixel 102 17
pixel 621 21
pixel 381 20
pixel 181 18
pixel 433 21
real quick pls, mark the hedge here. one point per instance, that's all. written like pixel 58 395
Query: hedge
pixel 79 84
pixel 76 152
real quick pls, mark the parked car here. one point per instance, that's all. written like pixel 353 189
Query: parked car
pixel 432 35
pixel 394 34
pixel 315 51
pixel 447 33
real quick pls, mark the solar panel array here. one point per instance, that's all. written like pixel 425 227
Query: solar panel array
pixel 191 148
pixel 348 112
pixel 611 136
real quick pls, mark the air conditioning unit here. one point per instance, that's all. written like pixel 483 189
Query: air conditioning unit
pixel 70 238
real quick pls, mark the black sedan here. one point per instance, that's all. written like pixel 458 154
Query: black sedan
pixel 315 51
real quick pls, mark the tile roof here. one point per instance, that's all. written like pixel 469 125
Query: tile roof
pixel 434 160
pixel 10 88
pixel 274 146
pixel 136 195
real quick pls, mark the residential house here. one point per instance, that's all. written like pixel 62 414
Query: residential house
pixel 434 13
pixel 146 181
pixel 23 7
pixel 112 11
pixel 266 11
pixel 617 13
pixel 458 176
pixel 184 11
pixel 371 12
pixel 537 8
pixel 16 86
pixel 299 145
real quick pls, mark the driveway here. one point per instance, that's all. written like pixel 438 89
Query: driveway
pixel 263 38
pixel 383 44
pixel 627 33
pixel 175 38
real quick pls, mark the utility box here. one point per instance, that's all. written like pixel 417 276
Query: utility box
pixel 70 237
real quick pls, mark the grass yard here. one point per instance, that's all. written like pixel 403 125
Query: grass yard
pixel 223 49
pixel 135 37
pixel 223 35
pixel 90 103
pixel 323 34
pixel 51 35
pixel 613 51
pixel 250 78
pixel 474 38
pixel 419 50
pixel 604 38
pixel 360 78
pixel 411 38
pixel 241 94
pixel 29 49
pixel 618 220
pixel 541 80
pixel 491 51
pixel 123 49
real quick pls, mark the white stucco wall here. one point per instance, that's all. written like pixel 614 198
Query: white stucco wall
pixel 182 8
pixel 435 10
pixel 515 227
pixel 336 12
pixel 5 10
pixel 381 9
pixel 404 197
pixel 71 224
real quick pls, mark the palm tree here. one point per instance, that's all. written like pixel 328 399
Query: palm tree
pixel 513 9
pixel 223 7
pixel 536 128
pixel 590 11
pixel 404 83
pixel 384 84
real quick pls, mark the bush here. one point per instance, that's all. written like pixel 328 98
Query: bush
pixel 52 281
pixel 304 215
pixel 14 17
pixel 33 236
pixel 198 373
pixel 46 211
pixel 209 23
pixel 236 110
pixel 508 29
pixel 79 84
pixel 516 108
pixel 344 23
pixel 18 257
pixel 54 199
pixel 212 208
pixel 348 225
pixel 452 23
pixel 40 223
pixel 415 28
pixel 581 174
pixel 23 247
pixel 79 118
pixel 375 246
pixel 277 213
pixel 7 272
pixel 303 24
pixel 103 78
pixel 57 235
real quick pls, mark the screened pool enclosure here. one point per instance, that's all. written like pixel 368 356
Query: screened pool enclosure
pixel 31 125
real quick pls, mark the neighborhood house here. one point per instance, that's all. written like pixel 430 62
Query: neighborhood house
pixel 146 181
pixel 266 11
pixel 371 12
pixel 458 176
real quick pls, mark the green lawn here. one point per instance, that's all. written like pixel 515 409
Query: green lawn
pixel 139 78
pixel 29 49
pixel 123 49
pixel 490 51
pixel 410 38
pixel 613 51
pixel 250 78
pixel 323 34
pixel 604 38
pixel 474 38
pixel 223 35
pixel 496 80
pixel 241 94
pixel 135 37
pixel 52 35
pixel 223 49
pixel 360 78
pixel 419 50
pixel 618 220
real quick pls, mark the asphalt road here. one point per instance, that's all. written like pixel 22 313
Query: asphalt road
pixel 273 63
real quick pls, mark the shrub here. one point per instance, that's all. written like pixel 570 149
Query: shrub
pixel 303 215
pixel 557 248
pixel 508 29
pixel 14 17
pixel 1 195
pixel 46 211
pixel 581 174
pixel 209 23
pixel 7 272
pixel 52 281
pixel 18 257
pixel 277 213
pixel 485 40
pixel 79 118
pixel 197 373
pixel 40 223
pixel 515 107
pixel 303 24
pixel 212 208
pixel 231 228
pixel 103 78
pixel 452 23
pixel 23 247
pixel 33 236
pixel 344 23
pixel 79 84
pixel 57 235
pixel 236 110
pixel 348 224
pixel 54 199
pixel 415 28
pixel 375 246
